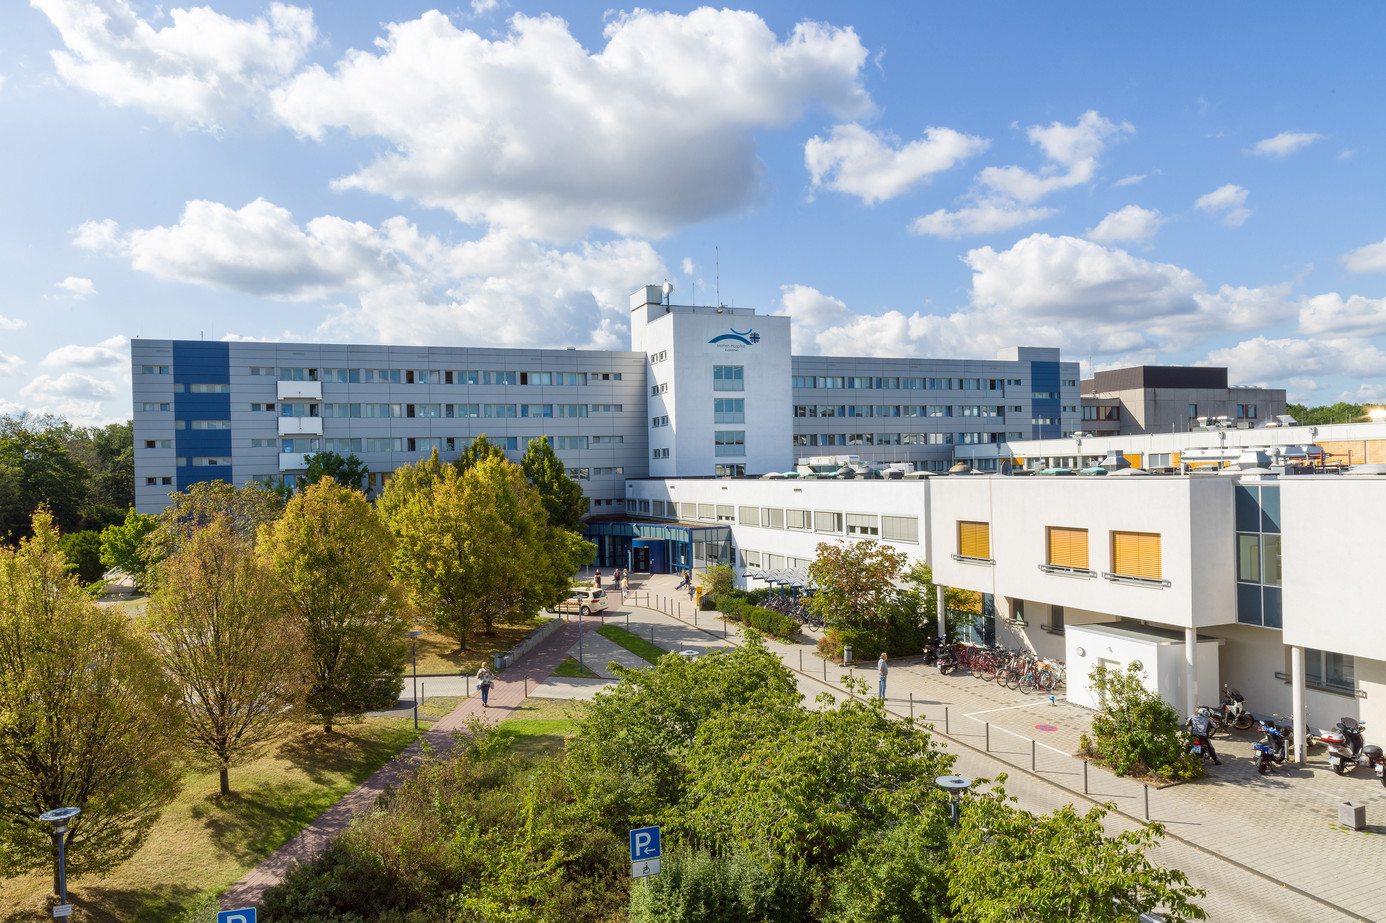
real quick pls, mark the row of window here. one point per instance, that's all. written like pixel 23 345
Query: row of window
pixel 1101 414
pixel 436 376
pixel 1134 555
pixel 909 384
pixel 835 439
pixel 424 444
pixel 905 410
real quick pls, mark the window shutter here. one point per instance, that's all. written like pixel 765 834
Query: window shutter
pixel 1136 554
pixel 974 539
pixel 1068 547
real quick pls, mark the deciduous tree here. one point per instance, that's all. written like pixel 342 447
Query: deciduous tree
pixel 1011 866
pixel 331 553
pixel 349 471
pixel 245 508
pixel 83 553
pixel 216 621
pixel 478 547
pixel 122 546
pixel 406 482
pixel 87 717
pixel 562 496
pixel 854 579
pixel 480 449
pixel 41 471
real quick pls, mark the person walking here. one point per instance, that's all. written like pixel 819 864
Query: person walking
pixel 597 579
pixel 883 668
pixel 483 682
pixel 625 584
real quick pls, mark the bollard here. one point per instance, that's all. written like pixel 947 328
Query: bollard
pixel 627 621
pixel 987 725
pixel 526 687
pixel 911 708
pixel 801 660
pixel 695 616
pixel 1032 756
pixel 945 719
pixel 1085 777
pixel 1147 801
pixel 825 669
pixel 652 634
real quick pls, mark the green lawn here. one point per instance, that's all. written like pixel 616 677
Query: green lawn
pixel 203 843
pixel 541 725
pixel 436 706
pixel 632 642
pixel 571 667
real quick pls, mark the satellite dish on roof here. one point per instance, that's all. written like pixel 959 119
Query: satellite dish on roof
pixel 668 290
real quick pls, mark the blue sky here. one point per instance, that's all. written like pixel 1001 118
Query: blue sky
pixel 1188 183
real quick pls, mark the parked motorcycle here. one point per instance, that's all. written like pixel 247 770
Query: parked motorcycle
pixel 931 649
pixel 1274 747
pixel 1347 750
pixel 947 658
pixel 1233 710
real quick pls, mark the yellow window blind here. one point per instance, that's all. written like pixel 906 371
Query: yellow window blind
pixel 1068 547
pixel 1136 554
pixel 974 539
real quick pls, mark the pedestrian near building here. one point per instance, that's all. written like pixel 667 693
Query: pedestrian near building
pixel 597 579
pixel 883 668
pixel 483 682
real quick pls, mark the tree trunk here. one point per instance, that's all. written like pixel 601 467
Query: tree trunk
pixel 225 781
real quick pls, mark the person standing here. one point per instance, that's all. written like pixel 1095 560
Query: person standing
pixel 883 668
pixel 597 579
pixel 483 682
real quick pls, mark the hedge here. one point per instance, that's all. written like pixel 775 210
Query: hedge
pixel 769 621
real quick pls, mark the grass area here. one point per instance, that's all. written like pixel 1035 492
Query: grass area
pixel 204 843
pixel 541 726
pixel 571 667
pixel 632 642
pixel 438 653
pixel 436 706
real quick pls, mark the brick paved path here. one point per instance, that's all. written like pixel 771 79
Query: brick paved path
pixel 507 693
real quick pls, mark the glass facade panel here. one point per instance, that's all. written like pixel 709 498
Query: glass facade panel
pixel 1249 558
pixel 1270 557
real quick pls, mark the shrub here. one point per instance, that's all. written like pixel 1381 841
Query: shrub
pixel 83 553
pixel 702 888
pixel 708 603
pixel 899 876
pixel 865 643
pixel 773 623
pixel 1136 731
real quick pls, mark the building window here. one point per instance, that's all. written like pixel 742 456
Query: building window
pixel 572 410
pixel 1068 548
pixel 900 529
pixel 536 410
pixel 1329 671
pixel 536 378
pixel 607 408
pixel 970 384
pixel 729 442
pixel 395 444
pixel 1056 619
pixel 1136 554
pixel 863 525
pixel 748 515
pixel 1193 411
pixel 799 520
pixel 301 375
pixel 209 424
pixel 161 370
pixel 974 540
pixel 153 407
pixel 824 521
pixel 498 410
pixel 569 442
pixel 728 378
pixel 608 440
pixel 726 513
pixel 730 410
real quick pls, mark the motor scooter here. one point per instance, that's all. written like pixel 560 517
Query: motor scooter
pixel 947 658
pixel 1347 751
pixel 1274 746
pixel 931 649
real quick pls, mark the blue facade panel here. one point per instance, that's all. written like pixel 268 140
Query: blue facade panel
pixel 1044 379
pixel 199 362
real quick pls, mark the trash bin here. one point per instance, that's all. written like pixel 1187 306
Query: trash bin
pixel 846 654
pixel 1352 816
pixel 500 663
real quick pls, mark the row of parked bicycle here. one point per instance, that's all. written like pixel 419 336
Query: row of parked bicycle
pixel 1347 747
pixel 1021 670
pixel 794 608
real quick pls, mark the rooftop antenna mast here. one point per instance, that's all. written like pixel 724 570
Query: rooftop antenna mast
pixel 717 267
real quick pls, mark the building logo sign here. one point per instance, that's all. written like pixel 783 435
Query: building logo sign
pixel 736 340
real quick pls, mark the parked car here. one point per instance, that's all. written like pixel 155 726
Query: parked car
pixel 583 600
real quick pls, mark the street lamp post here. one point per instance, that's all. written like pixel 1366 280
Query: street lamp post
pixel 414 640
pixel 60 818
pixel 954 786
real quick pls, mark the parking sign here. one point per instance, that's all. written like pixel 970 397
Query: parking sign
pixel 644 844
pixel 243 915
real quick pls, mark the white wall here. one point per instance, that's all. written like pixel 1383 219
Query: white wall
pixel 1163 665
pixel 1193 517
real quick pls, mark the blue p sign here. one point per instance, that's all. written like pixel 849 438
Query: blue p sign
pixel 644 844
pixel 244 915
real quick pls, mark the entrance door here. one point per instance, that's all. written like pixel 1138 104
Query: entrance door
pixel 640 559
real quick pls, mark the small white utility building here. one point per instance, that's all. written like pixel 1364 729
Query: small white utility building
pixel 1159 651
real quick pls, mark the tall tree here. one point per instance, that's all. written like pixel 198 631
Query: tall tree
pixel 122 546
pixel 478 547
pixel 480 449
pixel 406 482
pixel 349 471
pixel 854 580
pixel 563 498
pixel 108 453
pixel 83 553
pixel 42 471
pixel 216 623
pixel 245 508
pixel 331 553
pixel 87 717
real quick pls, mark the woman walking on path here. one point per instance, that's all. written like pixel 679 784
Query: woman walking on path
pixel 483 682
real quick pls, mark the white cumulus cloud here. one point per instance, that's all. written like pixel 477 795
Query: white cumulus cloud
pixel 204 69
pixel 9 365
pixel 1228 202
pixel 1371 258
pixel 875 166
pixel 1131 224
pixel 75 285
pixel 1005 197
pixel 81 399
pixel 1331 313
pixel 1263 360
pixel 111 353
pixel 11 323
pixel 531 132
pixel 1283 144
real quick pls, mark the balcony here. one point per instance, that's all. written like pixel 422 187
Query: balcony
pixel 293 461
pixel 300 426
pixel 303 390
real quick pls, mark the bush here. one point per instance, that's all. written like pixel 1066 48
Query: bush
pixel 83 553
pixel 899 876
pixel 702 888
pixel 708 603
pixel 866 644
pixel 1136 731
pixel 773 623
